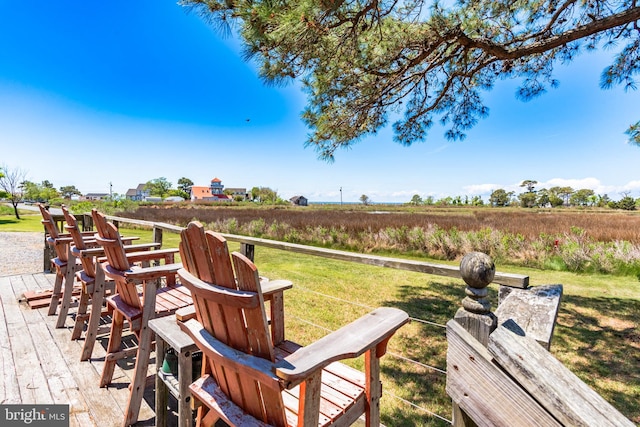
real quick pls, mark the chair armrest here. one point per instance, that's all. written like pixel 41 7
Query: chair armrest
pixel 88 253
pixel 144 273
pixel 150 273
pixel 141 247
pixel 99 251
pixel 59 239
pixel 186 313
pixel 150 255
pixel 81 253
pixel 271 287
pixel 350 341
pixel 129 239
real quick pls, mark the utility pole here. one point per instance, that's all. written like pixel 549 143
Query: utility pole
pixel 110 191
pixel 340 196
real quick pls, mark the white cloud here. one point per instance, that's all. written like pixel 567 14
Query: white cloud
pixel 630 186
pixel 406 194
pixel 591 183
pixel 478 189
pixel 576 184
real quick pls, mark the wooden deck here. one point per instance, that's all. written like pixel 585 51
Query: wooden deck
pixel 40 364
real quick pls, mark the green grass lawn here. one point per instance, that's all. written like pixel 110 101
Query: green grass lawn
pixel 597 335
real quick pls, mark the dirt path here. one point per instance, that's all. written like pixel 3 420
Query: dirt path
pixel 21 253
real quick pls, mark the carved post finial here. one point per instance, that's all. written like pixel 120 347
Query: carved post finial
pixel 477 270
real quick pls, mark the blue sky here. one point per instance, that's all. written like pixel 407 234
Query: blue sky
pixel 122 92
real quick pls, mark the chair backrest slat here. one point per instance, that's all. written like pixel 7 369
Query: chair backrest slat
pixel 255 319
pixel 196 259
pixel 49 224
pixel 110 240
pixel 195 256
pixel 78 241
pixel 54 234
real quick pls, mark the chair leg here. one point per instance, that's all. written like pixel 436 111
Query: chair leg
pixel 140 376
pixel 145 337
pixel 373 387
pixel 97 298
pixel 209 418
pixel 67 294
pixel 57 290
pixel 81 314
pixel 115 339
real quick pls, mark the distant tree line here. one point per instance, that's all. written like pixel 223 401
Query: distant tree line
pixel 15 186
pixel 447 201
pixel 543 198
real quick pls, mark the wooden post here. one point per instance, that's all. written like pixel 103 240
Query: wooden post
pixel 157 238
pixel 87 222
pixel 477 270
pixel 48 254
pixel 157 235
pixel 248 250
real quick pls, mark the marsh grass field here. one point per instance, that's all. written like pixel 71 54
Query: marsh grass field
pixel 603 225
pixel 587 241
pixel 597 334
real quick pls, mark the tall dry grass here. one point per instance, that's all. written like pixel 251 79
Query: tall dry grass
pixel 580 241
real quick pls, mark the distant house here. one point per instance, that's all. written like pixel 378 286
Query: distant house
pixel 137 194
pixel 152 199
pixel 212 193
pixel 96 196
pixel 174 199
pixel 299 201
pixel 237 192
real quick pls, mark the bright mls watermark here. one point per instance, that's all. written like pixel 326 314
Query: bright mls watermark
pixel 34 415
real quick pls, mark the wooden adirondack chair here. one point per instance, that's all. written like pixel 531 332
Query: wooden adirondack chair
pixel 246 380
pixel 94 286
pixel 62 295
pixel 64 269
pixel 137 308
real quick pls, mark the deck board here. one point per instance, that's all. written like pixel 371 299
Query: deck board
pixel 10 390
pixel 40 364
pixel 32 382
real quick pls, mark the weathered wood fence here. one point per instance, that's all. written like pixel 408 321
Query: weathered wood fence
pixel 499 370
pixel 501 374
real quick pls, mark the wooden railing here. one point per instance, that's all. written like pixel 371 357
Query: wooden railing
pixel 498 373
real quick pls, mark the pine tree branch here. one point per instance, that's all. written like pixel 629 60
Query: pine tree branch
pixel 619 19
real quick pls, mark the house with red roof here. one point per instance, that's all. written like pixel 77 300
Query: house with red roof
pixel 212 193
